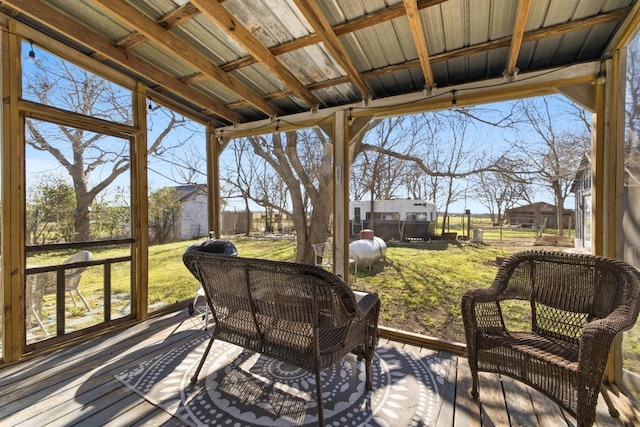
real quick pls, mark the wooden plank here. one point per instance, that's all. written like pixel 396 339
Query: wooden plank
pixel 448 394
pixel 519 404
pixel 87 415
pixel 62 405
pixel 157 418
pixel 94 397
pixel 321 26
pixel 420 41
pixel 68 377
pixel 467 410
pixel 112 412
pixel 493 409
pixel 628 413
pixel 141 409
pixel 603 418
pixel 547 411
pixel 42 12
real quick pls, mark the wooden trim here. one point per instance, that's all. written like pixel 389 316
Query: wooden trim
pixel 422 340
pixel 420 40
pixel 316 19
pixel 69 118
pixel 542 82
pixel 340 196
pixel 13 194
pixel 140 208
pixel 628 29
pixel 48 16
pixel 598 172
pixel 238 32
pixel 616 68
pixel 40 40
pixel 126 13
pixel 213 181
pixel 517 35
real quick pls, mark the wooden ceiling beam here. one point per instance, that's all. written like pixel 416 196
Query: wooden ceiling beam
pixel 50 17
pixel 366 21
pixel 517 35
pixel 420 40
pixel 377 17
pixel 170 20
pixel 529 36
pixel 316 19
pixel 238 32
pixel 126 13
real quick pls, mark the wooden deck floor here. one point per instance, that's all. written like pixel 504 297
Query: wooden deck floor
pixel 76 386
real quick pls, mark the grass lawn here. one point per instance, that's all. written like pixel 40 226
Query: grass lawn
pixel 420 284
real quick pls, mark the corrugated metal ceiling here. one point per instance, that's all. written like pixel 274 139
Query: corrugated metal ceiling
pixel 467 40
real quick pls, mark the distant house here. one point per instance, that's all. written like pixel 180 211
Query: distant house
pixel 582 190
pixel 537 215
pixel 191 222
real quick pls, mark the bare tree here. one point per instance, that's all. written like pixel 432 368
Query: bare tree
pixel 498 192
pixel 378 175
pixel 92 160
pixel 241 174
pixel 552 153
pixel 303 160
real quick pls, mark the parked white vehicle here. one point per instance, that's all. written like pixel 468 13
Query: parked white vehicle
pixel 397 219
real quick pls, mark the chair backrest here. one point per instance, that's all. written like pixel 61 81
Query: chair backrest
pixel 72 275
pixel 567 290
pixel 323 254
pixel 273 307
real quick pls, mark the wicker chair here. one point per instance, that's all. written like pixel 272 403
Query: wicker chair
pixel 577 304
pixel 297 313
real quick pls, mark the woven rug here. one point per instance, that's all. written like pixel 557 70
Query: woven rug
pixel 237 387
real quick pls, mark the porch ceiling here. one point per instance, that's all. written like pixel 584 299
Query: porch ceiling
pixel 238 61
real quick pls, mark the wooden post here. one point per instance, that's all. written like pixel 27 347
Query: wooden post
pixel 140 207
pixel 13 194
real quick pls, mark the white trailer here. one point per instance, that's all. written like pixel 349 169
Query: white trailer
pixel 397 219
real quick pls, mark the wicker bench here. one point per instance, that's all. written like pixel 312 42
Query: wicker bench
pixel 576 304
pixel 296 313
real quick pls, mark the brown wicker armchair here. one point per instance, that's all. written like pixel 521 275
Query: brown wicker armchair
pixel 297 313
pixel 577 304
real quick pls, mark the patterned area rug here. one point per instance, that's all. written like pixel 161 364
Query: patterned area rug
pixel 243 388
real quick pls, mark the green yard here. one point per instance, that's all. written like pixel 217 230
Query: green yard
pixel 420 284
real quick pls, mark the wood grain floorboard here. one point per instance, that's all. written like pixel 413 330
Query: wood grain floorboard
pixel 75 385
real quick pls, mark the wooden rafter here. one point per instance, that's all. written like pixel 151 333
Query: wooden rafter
pixel 238 32
pixel 383 15
pixel 420 40
pixel 45 14
pixel 123 11
pixel 181 14
pixel 313 15
pixel 168 21
pixel 518 34
pixel 529 36
pixel 369 20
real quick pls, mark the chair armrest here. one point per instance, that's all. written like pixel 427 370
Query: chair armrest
pixel 366 301
pixel 481 313
pixel 598 335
